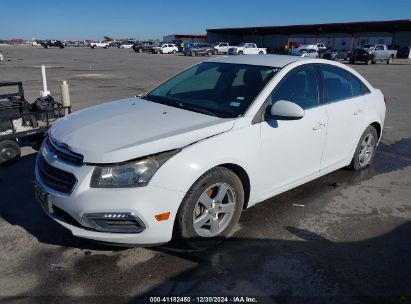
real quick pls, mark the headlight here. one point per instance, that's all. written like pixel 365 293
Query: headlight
pixel 132 174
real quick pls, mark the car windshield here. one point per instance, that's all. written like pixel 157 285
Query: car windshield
pixel 242 44
pixel 204 45
pixel 303 50
pixel 217 89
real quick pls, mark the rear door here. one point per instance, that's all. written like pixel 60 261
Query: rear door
pixel 345 115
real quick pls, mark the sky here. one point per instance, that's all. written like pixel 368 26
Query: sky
pixel 144 19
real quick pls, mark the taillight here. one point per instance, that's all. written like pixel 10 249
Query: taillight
pixel 385 99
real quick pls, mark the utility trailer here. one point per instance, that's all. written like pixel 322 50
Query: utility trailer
pixel 22 121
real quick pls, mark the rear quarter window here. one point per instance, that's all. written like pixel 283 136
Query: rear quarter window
pixel 358 87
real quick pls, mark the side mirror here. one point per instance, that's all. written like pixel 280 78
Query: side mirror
pixel 286 110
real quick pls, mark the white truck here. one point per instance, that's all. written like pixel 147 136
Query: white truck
pixel 246 49
pixel 221 47
pixel 382 53
pixel 100 44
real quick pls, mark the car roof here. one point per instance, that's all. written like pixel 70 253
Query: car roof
pixel 276 61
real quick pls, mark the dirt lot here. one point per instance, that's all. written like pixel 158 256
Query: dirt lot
pixel 342 238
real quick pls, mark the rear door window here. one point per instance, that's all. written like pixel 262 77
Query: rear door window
pixel 336 82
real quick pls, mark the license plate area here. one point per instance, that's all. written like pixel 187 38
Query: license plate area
pixel 43 198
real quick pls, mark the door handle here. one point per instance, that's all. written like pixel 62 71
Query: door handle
pixel 358 112
pixel 319 126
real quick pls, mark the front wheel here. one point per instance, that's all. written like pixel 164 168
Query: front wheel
pixel 240 53
pixel 365 151
pixel 211 208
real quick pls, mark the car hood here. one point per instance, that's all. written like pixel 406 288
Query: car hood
pixel 127 129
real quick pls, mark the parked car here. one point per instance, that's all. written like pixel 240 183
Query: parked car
pixel 336 54
pixel 321 47
pixel 221 47
pixel 189 45
pixel 100 44
pixel 200 49
pixel 362 55
pixel 382 53
pixel 165 48
pixel 246 49
pixel 306 46
pixel 141 47
pixel 159 175
pixel 53 43
pixel 127 45
pixel 309 53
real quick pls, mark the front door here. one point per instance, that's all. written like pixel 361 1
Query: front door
pixel 292 149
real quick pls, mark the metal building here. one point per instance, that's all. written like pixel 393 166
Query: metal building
pixel 334 35
pixel 185 38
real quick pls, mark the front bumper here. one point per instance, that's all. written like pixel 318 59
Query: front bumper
pixel 73 210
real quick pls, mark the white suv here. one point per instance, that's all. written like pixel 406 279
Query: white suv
pixel 165 48
pixel 186 158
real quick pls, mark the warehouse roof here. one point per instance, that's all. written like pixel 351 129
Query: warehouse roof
pixel 347 27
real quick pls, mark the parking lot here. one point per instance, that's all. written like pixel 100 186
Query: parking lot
pixel 345 235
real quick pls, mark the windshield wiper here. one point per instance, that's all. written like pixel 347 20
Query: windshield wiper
pixel 179 104
pixel 191 108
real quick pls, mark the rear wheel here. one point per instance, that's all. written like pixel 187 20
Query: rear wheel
pixel 174 52
pixel 365 151
pixel 193 53
pixel 390 60
pixel 210 209
pixel 209 53
pixel 261 53
pixel 240 53
pixel 368 62
pixel 9 152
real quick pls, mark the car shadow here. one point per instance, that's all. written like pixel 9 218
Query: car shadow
pixel 308 269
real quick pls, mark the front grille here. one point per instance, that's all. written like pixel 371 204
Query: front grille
pixel 55 179
pixel 64 154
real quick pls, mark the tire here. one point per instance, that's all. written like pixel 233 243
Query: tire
pixel 209 53
pixel 174 52
pixel 158 52
pixel 212 184
pixel 140 50
pixel 373 62
pixel 193 54
pixel 260 53
pixel 240 53
pixel 368 62
pixel 390 60
pixel 9 152
pixel 359 162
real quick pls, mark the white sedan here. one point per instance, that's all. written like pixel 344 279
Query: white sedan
pixel 188 157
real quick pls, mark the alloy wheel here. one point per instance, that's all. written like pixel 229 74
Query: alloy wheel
pixel 214 210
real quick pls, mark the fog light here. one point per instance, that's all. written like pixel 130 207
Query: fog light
pixel 115 222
